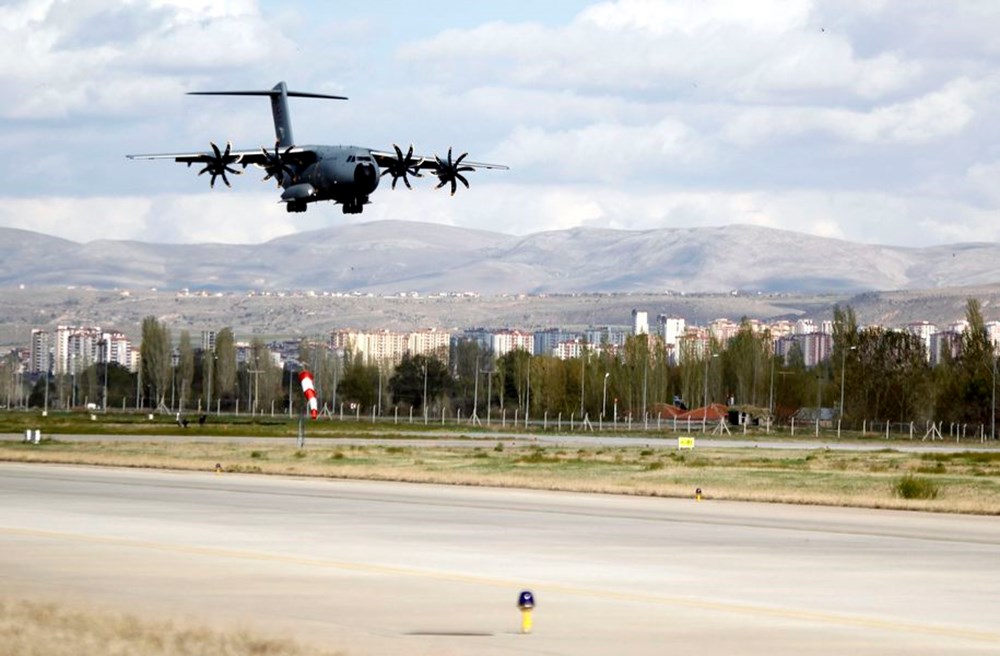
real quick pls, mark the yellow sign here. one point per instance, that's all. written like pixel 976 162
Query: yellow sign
pixel 685 442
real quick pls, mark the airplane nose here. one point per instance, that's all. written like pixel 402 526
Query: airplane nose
pixel 365 177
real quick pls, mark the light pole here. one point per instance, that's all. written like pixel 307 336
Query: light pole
pixel 708 358
pixel 770 398
pixel 843 376
pixel 583 377
pixel 106 356
pixel 475 394
pixel 993 407
pixel 48 372
pixel 425 393
pixel 256 383
pixel 208 405
pixel 604 395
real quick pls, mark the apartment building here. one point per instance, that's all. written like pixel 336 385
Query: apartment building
pixel 386 346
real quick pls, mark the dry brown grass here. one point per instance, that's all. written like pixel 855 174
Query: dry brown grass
pixel 969 482
pixel 41 628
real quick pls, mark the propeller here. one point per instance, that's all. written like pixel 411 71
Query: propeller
pixel 275 165
pixel 218 165
pixel 451 171
pixel 401 167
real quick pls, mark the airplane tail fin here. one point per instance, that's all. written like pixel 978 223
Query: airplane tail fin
pixel 279 96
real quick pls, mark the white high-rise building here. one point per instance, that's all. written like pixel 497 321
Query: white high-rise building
pixel 923 330
pixel 506 341
pixel 993 333
pixel 41 353
pixel 640 322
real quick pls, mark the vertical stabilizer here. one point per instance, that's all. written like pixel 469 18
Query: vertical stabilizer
pixel 282 121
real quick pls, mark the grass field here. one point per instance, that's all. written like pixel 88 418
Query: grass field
pixel 43 628
pixel 964 482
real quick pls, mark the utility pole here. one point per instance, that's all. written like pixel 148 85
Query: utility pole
pixel 475 395
pixel 425 391
pixel 211 359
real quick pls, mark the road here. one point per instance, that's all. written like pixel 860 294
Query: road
pixel 388 568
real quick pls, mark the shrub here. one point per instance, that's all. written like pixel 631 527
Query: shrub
pixel 914 487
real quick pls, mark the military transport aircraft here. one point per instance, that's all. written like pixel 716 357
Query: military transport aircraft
pixel 307 174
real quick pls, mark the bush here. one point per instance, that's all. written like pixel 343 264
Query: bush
pixel 914 487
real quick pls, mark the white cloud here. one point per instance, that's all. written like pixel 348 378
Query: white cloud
pixel 724 48
pixel 603 151
pixel 54 62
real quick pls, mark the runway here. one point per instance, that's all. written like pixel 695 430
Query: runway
pixel 386 568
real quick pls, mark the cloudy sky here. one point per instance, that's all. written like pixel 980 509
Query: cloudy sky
pixel 870 120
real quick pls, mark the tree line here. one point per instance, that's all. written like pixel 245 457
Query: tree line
pixel 872 374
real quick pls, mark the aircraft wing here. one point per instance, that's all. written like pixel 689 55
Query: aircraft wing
pixel 243 157
pixel 218 162
pixel 448 170
pixel 387 159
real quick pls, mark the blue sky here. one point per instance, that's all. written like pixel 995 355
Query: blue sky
pixel 874 121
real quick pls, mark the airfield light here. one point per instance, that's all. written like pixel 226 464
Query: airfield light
pixel 526 602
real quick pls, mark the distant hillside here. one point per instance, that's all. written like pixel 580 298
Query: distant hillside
pixel 397 256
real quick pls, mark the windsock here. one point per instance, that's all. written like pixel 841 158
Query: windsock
pixel 307 388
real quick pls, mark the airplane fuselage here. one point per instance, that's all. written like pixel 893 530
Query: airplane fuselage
pixel 344 174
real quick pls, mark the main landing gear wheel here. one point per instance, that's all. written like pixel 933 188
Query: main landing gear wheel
pixel 295 207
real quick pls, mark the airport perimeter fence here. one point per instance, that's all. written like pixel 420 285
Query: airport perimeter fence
pixel 506 420
pixel 496 419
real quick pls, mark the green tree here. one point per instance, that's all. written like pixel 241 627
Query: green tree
pixel 965 382
pixel 185 369
pixel 407 384
pixel 155 355
pixel 224 375
pixel 359 383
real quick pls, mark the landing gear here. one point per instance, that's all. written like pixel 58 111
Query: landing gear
pixel 297 206
pixel 354 205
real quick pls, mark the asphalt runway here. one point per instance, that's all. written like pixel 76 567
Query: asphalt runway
pixel 387 568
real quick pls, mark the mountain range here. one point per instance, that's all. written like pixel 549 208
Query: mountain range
pixel 386 257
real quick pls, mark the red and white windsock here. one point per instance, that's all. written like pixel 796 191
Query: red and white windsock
pixel 307 388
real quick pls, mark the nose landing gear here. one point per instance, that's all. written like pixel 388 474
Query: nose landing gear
pixel 354 205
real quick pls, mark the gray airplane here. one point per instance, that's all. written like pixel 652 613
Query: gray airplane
pixel 307 174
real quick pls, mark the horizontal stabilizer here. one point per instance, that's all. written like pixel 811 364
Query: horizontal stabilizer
pixel 270 92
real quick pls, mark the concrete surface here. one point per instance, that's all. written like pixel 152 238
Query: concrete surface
pixel 386 568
